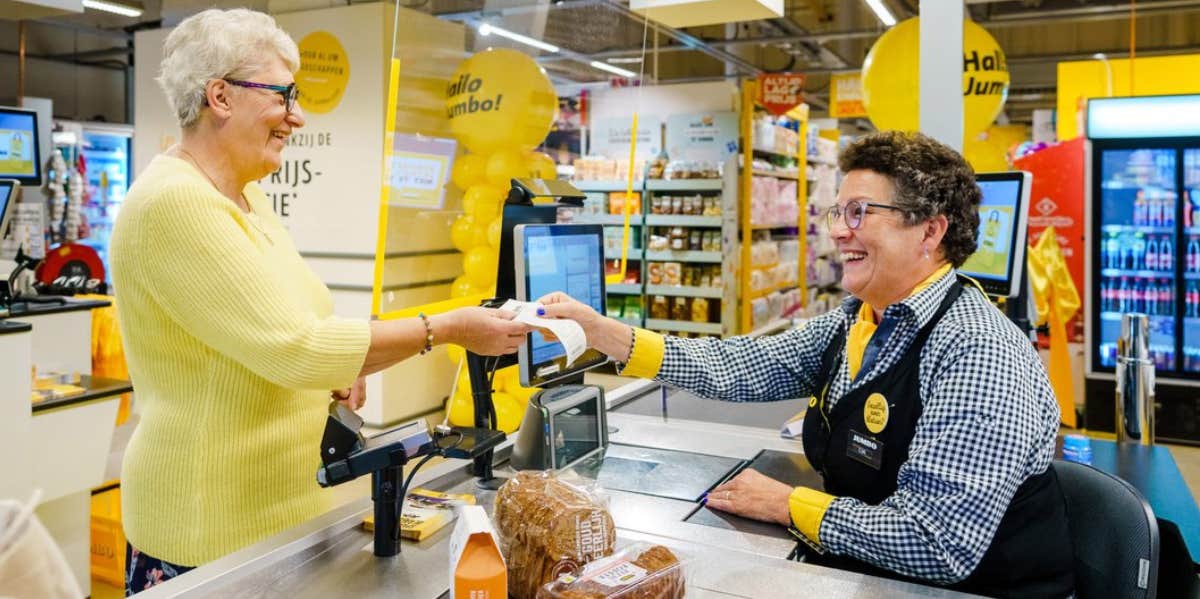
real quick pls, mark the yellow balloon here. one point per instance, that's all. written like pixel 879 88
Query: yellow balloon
pixel 891 75
pixel 504 166
pixel 493 232
pixel 482 202
pixel 462 287
pixel 479 266
pixel 456 353
pixel 541 166
pixel 509 412
pixel 479 232
pixel 522 393
pixel 462 234
pixel 461 410
pixel 500 98
pixel 468 170
pixel 506 378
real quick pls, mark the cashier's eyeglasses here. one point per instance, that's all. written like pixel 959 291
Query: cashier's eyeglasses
pixel 853 213
pixel 288 92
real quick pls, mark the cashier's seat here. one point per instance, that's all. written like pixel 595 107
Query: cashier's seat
pixel 1114 533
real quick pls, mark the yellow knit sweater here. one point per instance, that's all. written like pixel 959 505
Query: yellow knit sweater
pixel 233 351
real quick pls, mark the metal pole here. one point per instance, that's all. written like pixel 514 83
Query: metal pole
pixel 941 69
pixel 20 63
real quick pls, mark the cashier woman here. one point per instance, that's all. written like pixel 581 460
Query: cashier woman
pixel 930 418
pixel 230 338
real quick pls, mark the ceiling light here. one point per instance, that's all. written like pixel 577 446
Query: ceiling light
pixel 882 12
pixel 124 10
pixel 625 60
pixel 614 70
pixel 486 29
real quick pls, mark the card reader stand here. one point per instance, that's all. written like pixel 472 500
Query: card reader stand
pixel 522 206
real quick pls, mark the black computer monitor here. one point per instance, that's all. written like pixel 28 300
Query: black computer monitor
pixel 8 202
pixel 567 258
pixel 19 150
pixel 1003 218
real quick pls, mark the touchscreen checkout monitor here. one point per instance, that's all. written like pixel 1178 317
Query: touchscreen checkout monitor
pixel 1000 256
pixel 8 201
pixel 19 149
pixel 567 258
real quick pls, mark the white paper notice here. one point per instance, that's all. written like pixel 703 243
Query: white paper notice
pixel 569 333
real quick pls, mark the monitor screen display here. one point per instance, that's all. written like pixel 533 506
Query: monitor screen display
pixel 19 146
pixel 567 258
pixel 8 197
pixel 576 431
pixel 1001 241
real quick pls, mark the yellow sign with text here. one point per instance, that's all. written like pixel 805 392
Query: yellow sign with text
pixel 845 96
pixel 324 72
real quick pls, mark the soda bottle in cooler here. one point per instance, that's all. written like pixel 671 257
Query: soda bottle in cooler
pixel 1166 298
pixel 1113 249
pixel 1151 297
pixel 1168 216
pixel 1123 295
pixel 1151 255
pixel 1166 254
pixel 1193 254
pixel 1139 209
pixel 1137 252
pixel 1192 301
pixel 1154 209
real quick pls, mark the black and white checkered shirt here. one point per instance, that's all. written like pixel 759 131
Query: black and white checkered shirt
pixel 989 422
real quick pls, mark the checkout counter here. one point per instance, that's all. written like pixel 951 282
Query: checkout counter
pixel 61 445
pixel 669 462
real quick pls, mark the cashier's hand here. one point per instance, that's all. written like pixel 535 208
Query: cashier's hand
pixel 608 336
pixel 355 397
pixel 753 495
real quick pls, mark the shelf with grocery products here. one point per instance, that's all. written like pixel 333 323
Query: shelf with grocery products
pixel 684 185
pixel 624 288
pixel 633 322
pixel 635 220
pixel 685 256
pixel 684 326
pixel 683 220
pixel 820 161
pixel 777 174
pixel 1145 274
pixel 772 289
pixel 606 185
pixel 1136 229
pixel 773 226
pixel 684 291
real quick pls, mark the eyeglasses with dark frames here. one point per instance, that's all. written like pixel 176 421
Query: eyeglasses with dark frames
pixel 853 213
pixel 288 92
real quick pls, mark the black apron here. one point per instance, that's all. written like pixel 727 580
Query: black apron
pixel 858 449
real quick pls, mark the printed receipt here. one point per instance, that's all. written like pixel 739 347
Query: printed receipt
pixel 569 333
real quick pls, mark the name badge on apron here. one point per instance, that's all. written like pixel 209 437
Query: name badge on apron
pixel 864 448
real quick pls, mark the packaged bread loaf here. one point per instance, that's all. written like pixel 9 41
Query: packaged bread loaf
pixel 641 571
pixel 548 527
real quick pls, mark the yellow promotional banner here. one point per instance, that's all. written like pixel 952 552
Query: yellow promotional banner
pixel 1057 301
pixel 846 96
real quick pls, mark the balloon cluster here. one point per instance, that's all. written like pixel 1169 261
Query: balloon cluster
pixel 500 104
pixel 508 396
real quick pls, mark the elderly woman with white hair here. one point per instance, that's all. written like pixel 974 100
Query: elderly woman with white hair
pixel 230 337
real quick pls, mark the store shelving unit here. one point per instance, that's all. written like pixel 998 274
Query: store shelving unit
pixel 750 149
pixel 643 222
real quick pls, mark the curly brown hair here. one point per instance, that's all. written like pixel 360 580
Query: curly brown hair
pixel 930 179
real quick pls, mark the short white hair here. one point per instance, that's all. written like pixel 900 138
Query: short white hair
pixel 218 44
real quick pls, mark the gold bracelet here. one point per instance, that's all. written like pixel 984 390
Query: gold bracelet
pixel 428 333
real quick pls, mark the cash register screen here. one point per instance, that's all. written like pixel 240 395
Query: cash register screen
pixel 8 197
pixel 1000 253
pixel 19 146
pixel 567 258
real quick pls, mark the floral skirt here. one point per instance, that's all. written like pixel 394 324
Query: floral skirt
pixel 143 571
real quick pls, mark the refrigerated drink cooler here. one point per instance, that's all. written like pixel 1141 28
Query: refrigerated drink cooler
pixel 1143 252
